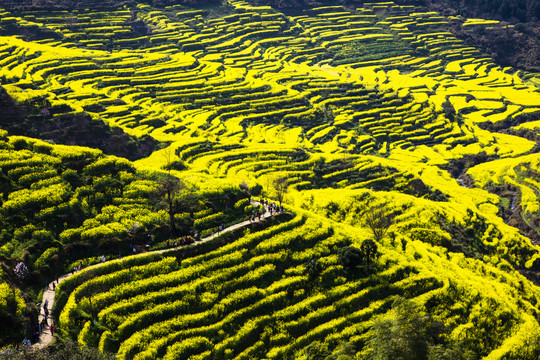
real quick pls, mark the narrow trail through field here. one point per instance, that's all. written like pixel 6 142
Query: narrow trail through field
pixel 46 338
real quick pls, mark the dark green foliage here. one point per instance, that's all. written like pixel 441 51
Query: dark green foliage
pixel 177 165
pixel 223 198
pixel 405 336
pixel 60 351
pixel 316 351
pixel 350 257
pixel 412 334
pixel 69 128
pixel 454 351
pixel 256 190
pixel 320 351
pixel 313 268
pixel 416 187
pixel 72 177
pixel 322 167
pixel 344 351
pixel 522 10
pixel 371 176
pixel 467 238
pixel 11 318
pixel 518 47
pixel 458 167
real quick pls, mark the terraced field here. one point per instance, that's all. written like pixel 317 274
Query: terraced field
pixel 236 77
pixel 353 107
pixel 253 299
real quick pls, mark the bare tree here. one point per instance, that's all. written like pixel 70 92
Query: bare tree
pixel 171 186
pixel 245 189
pixel 378 218
pixel 281 185
pixel 369 250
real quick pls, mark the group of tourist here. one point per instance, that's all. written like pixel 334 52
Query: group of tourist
pixel 47 283
pixel 44 324
pixel 270 207
pixel 182 241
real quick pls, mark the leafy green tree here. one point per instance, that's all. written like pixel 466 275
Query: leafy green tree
pixel 12 309
pixel 453 351
pixel 320 351
pixel 256 190
pixel 350 257
pixel 405 336
pixel 344 351
pixel 316 351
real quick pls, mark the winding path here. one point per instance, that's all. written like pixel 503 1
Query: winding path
pixel 45 338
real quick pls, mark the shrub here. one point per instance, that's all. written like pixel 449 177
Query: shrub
pixel 350 257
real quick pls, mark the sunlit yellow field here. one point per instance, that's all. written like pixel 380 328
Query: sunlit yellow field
pixel 354 108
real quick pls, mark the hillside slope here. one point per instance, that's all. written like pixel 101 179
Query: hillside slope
pixel 335 111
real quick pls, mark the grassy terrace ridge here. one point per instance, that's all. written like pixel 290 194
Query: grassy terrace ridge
pixel 339 113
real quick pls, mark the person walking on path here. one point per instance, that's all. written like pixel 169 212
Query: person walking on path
pixel 52 327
